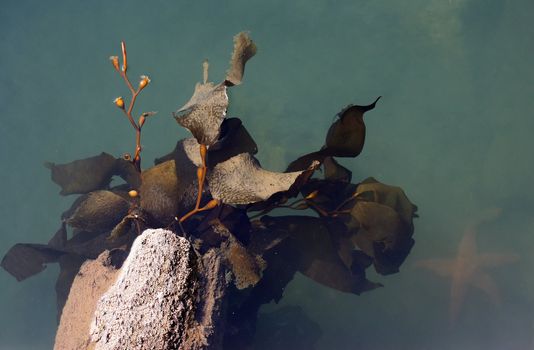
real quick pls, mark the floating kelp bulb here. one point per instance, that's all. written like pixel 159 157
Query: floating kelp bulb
pixel 124 61
pixel 143 117
pixel 312 195
pixel 119 102
pixel 211 204
pixel 115 62
pixel 143 82
pixel 133 193
pixel 141 121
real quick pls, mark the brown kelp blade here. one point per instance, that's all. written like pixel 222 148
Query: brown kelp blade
pixel 304 161
pixel 241 180
pixel 234 140
pixel 25 260
pixel 329 194
pixel 165 193
pixel 98 211
pixel 93 173
pixel 376 218
pixel 392 196
pixel 345 137
pixel 380 223
pixel 334 171
pixel 360 109
pixel 204 113
pixel 317 253
pixel 83 175
pixel 244 49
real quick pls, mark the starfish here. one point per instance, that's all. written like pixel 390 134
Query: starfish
pixel 468 268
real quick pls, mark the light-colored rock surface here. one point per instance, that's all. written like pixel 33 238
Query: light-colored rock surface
pixel 93 279
pixel 163 297
pixel 151 303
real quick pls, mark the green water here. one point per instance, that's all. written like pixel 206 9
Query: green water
pixel 454 129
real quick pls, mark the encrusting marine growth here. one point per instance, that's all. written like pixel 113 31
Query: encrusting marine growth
pixel 351 226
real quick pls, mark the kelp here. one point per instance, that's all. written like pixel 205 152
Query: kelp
pixel 204 113
pixel 84 175
pixel 317 254
pixel 234 140
pixel 349 228
pixel 391 196
pixel 24 260
pixel 244 49
pixel 334 171
pixel 98 211
pixel 233 219
pixel 162 194
pixel 379 220
pixel 345 137
pixel 241 180
pixel 93 173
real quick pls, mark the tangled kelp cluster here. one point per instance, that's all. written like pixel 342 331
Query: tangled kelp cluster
pixel 212 190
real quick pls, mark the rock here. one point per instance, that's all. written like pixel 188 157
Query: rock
pixel 207 330
pixel 164 297
pixel 92 280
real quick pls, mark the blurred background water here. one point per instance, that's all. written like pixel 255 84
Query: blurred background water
pixel 453 129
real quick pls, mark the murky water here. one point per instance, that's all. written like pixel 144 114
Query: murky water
pixel 453 129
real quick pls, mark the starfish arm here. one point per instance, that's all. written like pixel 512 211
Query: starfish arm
pixel 468 245
pixel 458 289
pixel 494 259
pixel 487 284
pixel 441 267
